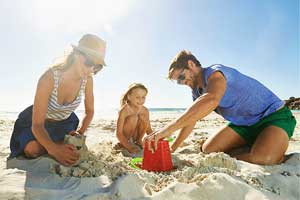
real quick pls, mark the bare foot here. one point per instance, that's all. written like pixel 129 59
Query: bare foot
pixel 118 146
pixel 140 143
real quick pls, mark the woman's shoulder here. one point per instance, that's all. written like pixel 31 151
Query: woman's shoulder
pixel 45 85
pixel 89 80
pixel 47 76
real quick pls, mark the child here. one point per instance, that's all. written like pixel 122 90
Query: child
pixel 133 120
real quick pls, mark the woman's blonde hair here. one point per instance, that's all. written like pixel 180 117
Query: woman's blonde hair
pixel 64 62
pixel 124 98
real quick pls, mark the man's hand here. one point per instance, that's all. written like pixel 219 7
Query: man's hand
pixel 66 154
pixel 173 148
pixel 155 137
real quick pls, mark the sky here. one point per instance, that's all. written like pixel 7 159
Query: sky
pixel 260 38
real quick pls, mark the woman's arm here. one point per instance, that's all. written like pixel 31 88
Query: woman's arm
pixel 40 107
pixel 64 154
pixel 89 105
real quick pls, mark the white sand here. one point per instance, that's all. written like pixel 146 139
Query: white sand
pixel 197 176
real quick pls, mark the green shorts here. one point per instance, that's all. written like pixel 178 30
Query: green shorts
pixel 282 118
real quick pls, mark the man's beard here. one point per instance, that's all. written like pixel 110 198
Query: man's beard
pixel 195 79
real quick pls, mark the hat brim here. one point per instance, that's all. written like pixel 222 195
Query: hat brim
pixel 98 58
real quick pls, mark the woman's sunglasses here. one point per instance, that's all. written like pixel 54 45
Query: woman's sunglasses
pixel 89 63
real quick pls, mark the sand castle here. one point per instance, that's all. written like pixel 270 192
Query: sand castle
pixel 80 167
pixel 91 164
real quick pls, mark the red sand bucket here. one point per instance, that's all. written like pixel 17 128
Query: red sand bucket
pixel 160 160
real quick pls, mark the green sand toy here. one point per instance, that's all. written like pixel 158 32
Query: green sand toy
pixel 136 163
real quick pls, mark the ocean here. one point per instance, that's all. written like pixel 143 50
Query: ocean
pixel 111 113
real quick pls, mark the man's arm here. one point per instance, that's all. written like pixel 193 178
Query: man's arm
pixel 201 107
pixel 185 131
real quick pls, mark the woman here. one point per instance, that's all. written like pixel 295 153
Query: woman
pixel 41 128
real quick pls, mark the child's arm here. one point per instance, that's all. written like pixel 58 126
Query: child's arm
pixel 149 129
pixel 120 126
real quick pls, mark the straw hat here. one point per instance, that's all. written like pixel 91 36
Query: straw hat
pixel 93 46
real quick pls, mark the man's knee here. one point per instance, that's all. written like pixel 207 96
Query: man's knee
pixel 263 159
pixel 208 148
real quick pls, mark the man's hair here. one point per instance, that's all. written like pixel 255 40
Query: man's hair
pixel 180 61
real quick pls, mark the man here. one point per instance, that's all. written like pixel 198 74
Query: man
pixel 258 118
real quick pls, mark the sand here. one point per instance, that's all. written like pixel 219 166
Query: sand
pixel 106 174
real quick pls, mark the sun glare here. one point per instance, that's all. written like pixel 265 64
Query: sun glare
pixel 79 15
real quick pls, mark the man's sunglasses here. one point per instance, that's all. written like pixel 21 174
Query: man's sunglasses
pixel 181 78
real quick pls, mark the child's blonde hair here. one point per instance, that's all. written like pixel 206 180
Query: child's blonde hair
pixel 124 98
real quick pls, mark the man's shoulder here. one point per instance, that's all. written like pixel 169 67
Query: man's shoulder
pixel 228 72
pixel 215 67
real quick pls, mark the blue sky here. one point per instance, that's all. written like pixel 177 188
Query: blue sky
pixel 260 38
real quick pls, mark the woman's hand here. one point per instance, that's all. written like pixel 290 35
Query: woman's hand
pixel 75 133
pixel 65 154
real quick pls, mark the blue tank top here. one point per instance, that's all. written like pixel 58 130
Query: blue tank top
pixel 245 100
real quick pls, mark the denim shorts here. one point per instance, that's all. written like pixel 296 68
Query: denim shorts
pixel 22 133
pixel 282 118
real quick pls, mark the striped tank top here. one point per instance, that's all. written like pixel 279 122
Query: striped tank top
pixel 60 112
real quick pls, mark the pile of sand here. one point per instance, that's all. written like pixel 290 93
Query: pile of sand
pixel 105 173
pixel 195 176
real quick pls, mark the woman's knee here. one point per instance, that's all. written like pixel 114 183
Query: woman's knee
pixel 33 149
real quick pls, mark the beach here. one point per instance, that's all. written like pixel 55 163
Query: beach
pixel 107 174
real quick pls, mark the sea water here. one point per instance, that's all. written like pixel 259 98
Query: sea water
pixel 109 113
